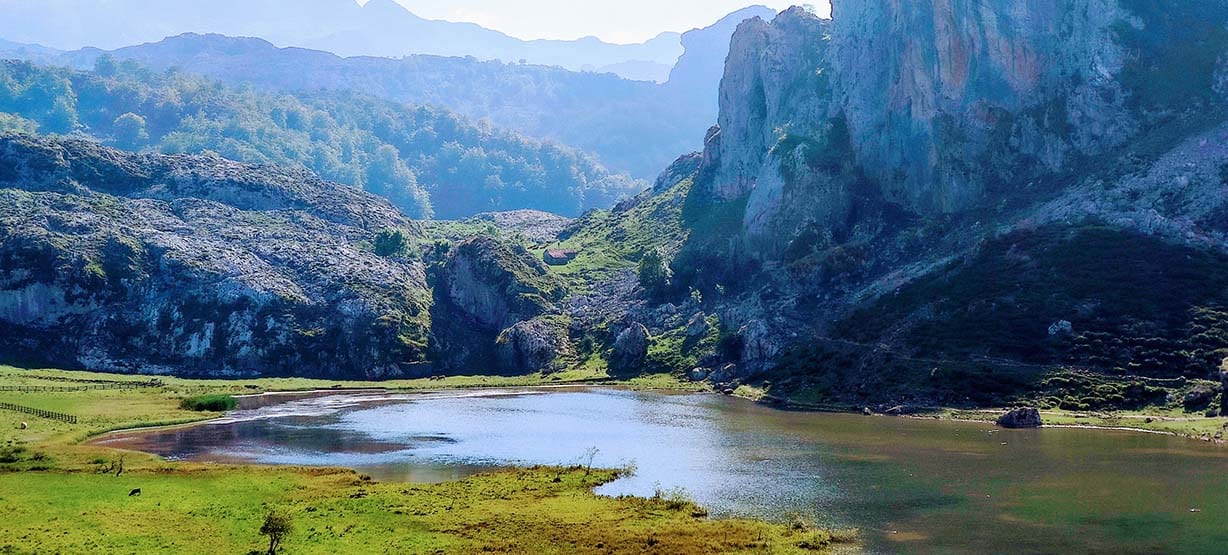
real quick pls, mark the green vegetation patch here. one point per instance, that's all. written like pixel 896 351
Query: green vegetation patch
pixel 210 403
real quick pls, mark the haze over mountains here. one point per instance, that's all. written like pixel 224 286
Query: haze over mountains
pixel 630 126
pixel 343 27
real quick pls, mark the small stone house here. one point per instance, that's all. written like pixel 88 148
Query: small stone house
pixel 559 257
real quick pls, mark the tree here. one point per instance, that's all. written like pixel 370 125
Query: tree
pixel 276 527
pixel 654 272
pixel 130 130
pixel 391 242
pixel 105 66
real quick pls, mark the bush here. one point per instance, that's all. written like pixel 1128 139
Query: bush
pixel 211 403
pixel 391 242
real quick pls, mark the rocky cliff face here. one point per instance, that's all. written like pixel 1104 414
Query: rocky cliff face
pixel 940 106
pixel 196 265
pixel 487 291
pixel 899 203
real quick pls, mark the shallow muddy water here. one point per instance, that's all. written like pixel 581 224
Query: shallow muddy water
pixel 910 485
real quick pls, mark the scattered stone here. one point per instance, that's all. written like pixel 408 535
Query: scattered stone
pixel 1061 328
pixel 1021 418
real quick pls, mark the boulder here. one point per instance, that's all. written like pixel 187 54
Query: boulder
pixel 1061 328
pixel 699 374
pixel 533 345
pixel 697 326
pixel 1021 418
pixel 630 347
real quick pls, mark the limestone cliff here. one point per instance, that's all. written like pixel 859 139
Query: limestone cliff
pixel 197 265
pixel 942 106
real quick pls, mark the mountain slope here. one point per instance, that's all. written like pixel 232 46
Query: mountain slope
pixel 198 265
pixel 425 160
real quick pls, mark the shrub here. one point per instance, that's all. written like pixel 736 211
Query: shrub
pixel 212 403
pixel 391 242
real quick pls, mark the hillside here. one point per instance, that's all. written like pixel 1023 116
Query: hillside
pixel 426 160
pixel 631 126
pixel 197 265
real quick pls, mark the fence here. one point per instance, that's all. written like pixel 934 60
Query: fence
pixel 70 388
pixel 40 413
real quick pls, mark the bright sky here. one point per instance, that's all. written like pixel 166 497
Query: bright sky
pixel 617 21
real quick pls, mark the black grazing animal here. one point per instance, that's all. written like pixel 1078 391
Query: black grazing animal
pixel 135 492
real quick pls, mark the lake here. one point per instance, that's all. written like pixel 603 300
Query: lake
pixel 909 485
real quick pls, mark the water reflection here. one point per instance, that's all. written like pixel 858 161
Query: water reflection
pixel 919 486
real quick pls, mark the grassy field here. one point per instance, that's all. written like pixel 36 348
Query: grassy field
pixel 59 495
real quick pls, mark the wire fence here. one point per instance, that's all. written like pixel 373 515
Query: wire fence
pixel 71 388
pixel 40 413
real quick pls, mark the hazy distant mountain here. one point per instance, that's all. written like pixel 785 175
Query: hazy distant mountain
pixel 697 75
pixel 380 28
pixel 632 126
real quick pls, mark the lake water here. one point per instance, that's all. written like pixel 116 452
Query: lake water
pixel 909 485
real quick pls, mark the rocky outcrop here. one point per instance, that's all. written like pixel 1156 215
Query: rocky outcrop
pixel 483 287
pixel 197 265
pixel 935 107
pixel 630 348
pixel 535 345
pixel 497 284
pixel 1021 418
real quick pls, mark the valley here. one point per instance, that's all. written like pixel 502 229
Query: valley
pixel 932 211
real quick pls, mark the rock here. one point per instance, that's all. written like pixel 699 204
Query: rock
pixel 1061 328
pixel 759 345
pixel 497 283
pixel 533 345
pixel 698 374
pixel 726 373
pixel 1198 398
pixel 630 347
pixel 697 326
pixel 1021 418
pixel 867 411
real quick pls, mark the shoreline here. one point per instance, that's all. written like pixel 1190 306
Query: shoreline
pixel 927 413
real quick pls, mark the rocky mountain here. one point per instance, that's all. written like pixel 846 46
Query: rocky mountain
pixel 343 27
pixel 197 265
pixel 955 203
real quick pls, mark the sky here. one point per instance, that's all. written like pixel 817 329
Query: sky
pixel 615 21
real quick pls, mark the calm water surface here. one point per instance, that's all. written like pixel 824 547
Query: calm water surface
pixel 911 486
